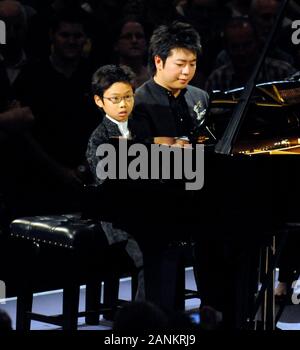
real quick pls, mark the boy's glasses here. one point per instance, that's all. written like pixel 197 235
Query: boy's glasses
pixel 118 99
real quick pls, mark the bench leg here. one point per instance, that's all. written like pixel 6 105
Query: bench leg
pixel 134 284
pixel 24 307
pixel 110 296
pixel 70 306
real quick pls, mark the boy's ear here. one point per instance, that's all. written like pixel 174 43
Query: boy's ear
pixel 98 101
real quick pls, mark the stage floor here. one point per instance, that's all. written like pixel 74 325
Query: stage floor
pixel 51 302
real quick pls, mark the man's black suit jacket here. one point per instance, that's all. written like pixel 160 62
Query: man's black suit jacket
pixel 152 113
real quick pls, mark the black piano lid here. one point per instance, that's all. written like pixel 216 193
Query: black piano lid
pixel 275 93
pixel 272 122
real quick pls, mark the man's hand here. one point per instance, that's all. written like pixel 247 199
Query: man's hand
pixel 173 142
pixel 182 143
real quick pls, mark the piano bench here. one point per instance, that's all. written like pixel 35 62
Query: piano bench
pixel 70 251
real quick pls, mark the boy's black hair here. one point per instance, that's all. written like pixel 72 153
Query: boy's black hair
pixel 177 35
pixel 107 75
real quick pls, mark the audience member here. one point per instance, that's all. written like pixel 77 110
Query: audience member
pixel 157 12
pixel 12 53
pixel 239 8
pixel 140 317
pixel 130 48
pixel 289 263
pixel 243 49
pixel 57 91
pixel 5 322
pixel 146 317
pixel 263 14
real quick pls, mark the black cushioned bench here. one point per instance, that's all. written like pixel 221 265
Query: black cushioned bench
pixel 70 251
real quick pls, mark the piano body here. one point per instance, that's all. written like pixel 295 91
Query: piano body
pixel 265 156
pixel 251 193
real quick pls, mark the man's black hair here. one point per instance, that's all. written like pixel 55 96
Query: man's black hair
pixel 107 75
pixel 177 35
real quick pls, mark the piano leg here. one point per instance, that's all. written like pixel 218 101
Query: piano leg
pixel 294 231
pixel 227 276
pixel 268 304
pixel 265 299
